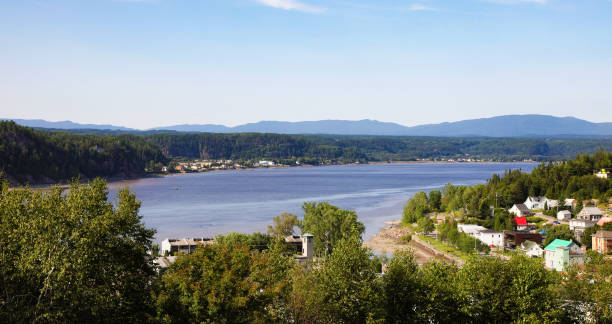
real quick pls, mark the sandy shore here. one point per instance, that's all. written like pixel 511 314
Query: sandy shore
pixel 388 241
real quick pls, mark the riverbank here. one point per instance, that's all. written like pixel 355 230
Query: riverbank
pixel 392 239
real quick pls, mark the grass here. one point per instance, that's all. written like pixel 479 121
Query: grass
pixel 444 247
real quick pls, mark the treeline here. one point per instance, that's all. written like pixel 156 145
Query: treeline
pixel 28 155
pixel 39 156
pixel 75 257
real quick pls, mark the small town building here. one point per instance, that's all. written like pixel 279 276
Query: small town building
pixel 602 242
pixel 164 261
pixel 520 224
pixel 520 210
pixel 603 173
pixel 307 248
pixel 470 229
pixel 185 245
pixel 571 203
pixel 535 202
pixel 590 213
pixel 560 254
pixel 552 203
pixel 578 226
pixel 564 215
pixel 514 238
pixel 491 238
pixel 532 249
pixel 604 220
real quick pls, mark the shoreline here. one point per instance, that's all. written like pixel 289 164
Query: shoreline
pixel 118 180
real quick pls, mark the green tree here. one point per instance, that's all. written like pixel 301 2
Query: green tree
pixel 401 288
pixel 283 224
pixel 224 283
pixel 558 232
pixel 74 256
pixel 435 200
pixel 426 225
pixel 342 289
pixel 415 208
pixel 586 238
pixel 329 225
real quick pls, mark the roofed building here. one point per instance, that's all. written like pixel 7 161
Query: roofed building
pixel 590 213
pixel 520 210
pixel 185 245
pixel 602 242
pixel 560 254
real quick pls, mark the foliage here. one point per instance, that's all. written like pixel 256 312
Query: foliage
pixel 255 241
pixel 401 289
pixel 588 292
pixel 28 155
pixel 342 289
pixel 416 208
pixel 561 232
pixel 448 232
pixel 283 224
pixel 224 283
pixel 586 237
pixel 74 256
pixel 426 225
pixel 329 225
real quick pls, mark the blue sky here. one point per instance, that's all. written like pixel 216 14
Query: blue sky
pixel 146 63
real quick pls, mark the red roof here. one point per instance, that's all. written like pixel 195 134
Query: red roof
pixel 520 220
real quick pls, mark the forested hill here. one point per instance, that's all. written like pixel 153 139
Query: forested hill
pixel 43 156
pixel 32 156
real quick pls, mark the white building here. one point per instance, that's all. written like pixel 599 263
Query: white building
pixel 266 163
pixel 571 203
pixel 535 202
pixel 579 225
pixel 520 210
pixel 532 249
pixel 485 235
pixel 491 237
pixel 307 248
pixel 590 213
pixel 564 215
pixel 185 245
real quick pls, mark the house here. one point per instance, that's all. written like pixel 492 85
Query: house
pixel 535 202
pixel 603 173
pixel 604 220
pixel 520 210
pixel 266 164
pixel 532 249
pixel 491 238
pixel 185 245
pixel 571 203
pixel 590 213
pixel 564 215
pixel 485 235
pixel 552 203
pixel 602 242
pixel 469 229
pixel 164 261
pixel 560 254
pixel 579 225
pixel 521 224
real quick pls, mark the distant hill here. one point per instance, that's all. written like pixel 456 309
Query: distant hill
pixel 500 126
pixel 39 123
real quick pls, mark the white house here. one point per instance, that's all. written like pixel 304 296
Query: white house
pixel 552 203
pixel 535 202
pixel 590 213
pixel 520 210
pixel 579 225
pixel 532 249
pixel 186 245
pixel 603 173
pixel 571 203
pixel 485 235
pixel 307 248
pixel 491 237
pixel 560 254
pixel 266 163
pixel 564 215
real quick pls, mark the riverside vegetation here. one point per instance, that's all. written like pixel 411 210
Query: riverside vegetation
pixel 75 257
pixel 45 156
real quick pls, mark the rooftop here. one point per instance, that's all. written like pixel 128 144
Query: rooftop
pixel 557 243
pixel 604 234
pixel 520 220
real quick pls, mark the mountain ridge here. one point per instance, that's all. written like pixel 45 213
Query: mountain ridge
pixel 532 125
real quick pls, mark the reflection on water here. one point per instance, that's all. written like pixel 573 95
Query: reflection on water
pixel 205 204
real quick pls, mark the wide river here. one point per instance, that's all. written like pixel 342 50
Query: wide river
pixel 206 204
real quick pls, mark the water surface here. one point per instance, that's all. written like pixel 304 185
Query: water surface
pixel 206 204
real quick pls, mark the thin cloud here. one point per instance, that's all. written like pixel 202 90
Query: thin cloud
pixel 420 7
pixel 294 5
pixel 510 2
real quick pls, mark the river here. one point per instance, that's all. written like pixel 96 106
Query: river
pixel 206 204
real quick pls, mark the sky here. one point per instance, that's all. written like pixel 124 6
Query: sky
pixel 148 63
